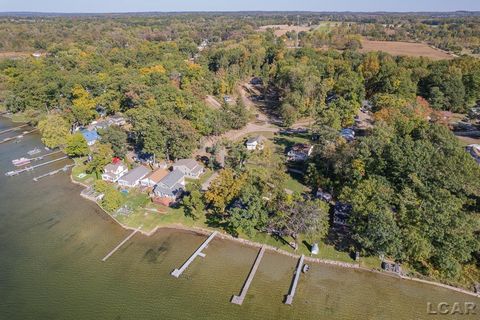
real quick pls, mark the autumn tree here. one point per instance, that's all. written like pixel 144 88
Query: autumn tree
pixel 54 129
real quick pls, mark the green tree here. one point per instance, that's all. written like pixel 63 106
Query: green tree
pixel 76 145
pixel 102 155
pixel 117 138
pixel 193 202
pixel 54 130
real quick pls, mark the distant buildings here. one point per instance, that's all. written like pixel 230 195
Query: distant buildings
pixel 299 152
pixel 255 143
pixel 348 134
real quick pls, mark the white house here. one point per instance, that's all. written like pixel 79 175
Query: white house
pixel 299 152
pixel 133 177
pixel 255 143
pixel 113 172
pixel 189 167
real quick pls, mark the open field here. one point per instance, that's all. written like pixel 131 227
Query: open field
pixel 410 49
pixel 14 55
pixel 281 29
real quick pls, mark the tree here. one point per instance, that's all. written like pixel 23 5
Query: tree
pixel 112 199
pixel 76 145
pixel 83 105
pixel 224 189
pixel 193 202
pixel 102 155
pixel 248 213
pixel 298 216
pixel 117 138
pixel 54 130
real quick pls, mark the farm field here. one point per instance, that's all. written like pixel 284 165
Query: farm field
pixel 398 48
pixel 281 29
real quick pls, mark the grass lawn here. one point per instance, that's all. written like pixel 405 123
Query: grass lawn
pixel 80 175
pixel 294 183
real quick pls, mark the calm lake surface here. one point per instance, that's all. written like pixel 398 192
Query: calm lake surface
pixel 52 242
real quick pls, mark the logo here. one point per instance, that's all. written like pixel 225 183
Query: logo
pixel 458 308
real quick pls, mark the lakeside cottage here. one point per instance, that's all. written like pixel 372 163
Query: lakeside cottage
pixel 474 150
pixel 114 171
pixel 133 177
pixel 299 152
pixel 255 143
pixel 91 136
pixel 169 189
pixel 154 177
pixel 189 167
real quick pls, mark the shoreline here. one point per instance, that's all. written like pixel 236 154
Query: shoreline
pixel 225 236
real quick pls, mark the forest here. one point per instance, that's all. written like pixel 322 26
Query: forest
pixel 414 191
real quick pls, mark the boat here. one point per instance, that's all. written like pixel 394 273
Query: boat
pixel 20 162
pixel 11 173
pixel 34 151
pixel 305 268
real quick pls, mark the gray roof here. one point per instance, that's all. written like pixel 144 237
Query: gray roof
pixel 257 139
pixel 136 174
pixel 172 179
pixel 172 192
pixel 189 163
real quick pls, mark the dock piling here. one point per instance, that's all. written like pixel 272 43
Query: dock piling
pixel 239 299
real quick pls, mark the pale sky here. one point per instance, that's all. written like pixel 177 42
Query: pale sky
pixel 101 6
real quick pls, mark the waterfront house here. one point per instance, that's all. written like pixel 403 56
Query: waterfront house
pixel 341 214
pixel 114 171
pixel 189 167
pixel 299 152
pixel 154 177
pixel 91 136
pixel 255 143
pixel 133 177
pixel 170 188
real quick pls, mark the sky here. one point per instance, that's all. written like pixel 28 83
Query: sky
pixel 102 6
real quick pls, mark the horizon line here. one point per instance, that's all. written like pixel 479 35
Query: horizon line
pixel 228 11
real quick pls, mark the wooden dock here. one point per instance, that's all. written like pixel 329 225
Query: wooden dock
pixel 17 137
pixel 51 173
pixel 293 288
pixel 177 272
pixel 121 243
pixel 239 299
pixel 12 129
pixel 30 168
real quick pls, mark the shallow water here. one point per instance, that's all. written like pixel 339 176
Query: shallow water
pixel 52 242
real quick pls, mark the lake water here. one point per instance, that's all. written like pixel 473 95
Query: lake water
pixel 52 242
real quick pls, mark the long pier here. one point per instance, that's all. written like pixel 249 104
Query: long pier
pixel 43 156
pixel 12 129
pixel 17 137
pixel 30 168
pixel 177 272
pixel 51 173
pixel 121 243
pixel 293 287
pixel 239 299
